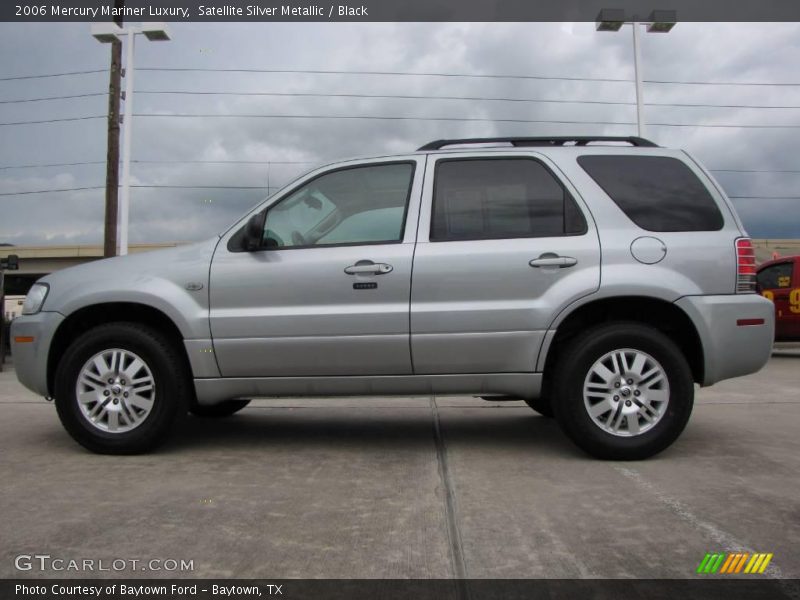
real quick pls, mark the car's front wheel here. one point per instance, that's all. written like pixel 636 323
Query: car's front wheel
pixel 623 391
pixel 120 387
pixel 218 411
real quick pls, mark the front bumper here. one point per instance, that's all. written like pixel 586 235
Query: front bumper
pixel 732 347
pixel 30 357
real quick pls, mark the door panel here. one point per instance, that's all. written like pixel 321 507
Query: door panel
pixel 296 312
pixel 478 305
pixel 337 309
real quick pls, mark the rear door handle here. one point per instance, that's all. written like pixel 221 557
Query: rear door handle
pixel 368 267
pixel 553 260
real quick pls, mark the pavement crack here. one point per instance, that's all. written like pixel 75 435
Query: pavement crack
pixel 727 541
pixel 457 562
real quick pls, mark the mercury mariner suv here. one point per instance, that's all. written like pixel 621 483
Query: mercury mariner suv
pixel 597 279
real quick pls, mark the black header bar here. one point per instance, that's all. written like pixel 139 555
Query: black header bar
pixel 397 10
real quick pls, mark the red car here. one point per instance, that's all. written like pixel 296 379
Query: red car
pixel 779 280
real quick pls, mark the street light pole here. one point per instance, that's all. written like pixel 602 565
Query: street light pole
pixel 112 33
pixel 637 69
pixel 125 198
pixel 661 21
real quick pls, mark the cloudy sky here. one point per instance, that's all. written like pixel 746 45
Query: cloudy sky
pixel 760 163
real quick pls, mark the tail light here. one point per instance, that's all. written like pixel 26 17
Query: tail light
pixel 745 266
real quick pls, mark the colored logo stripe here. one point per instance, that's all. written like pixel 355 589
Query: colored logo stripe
pixel 734 562
pixel 758 563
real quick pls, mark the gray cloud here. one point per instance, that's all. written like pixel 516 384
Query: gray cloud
pixel 707 52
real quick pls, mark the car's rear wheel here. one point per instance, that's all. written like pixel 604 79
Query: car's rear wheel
pixel 218 411
pixel 541 406
pixel 120 387
pixel 625 391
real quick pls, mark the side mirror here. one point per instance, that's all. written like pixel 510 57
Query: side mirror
pixel 253 232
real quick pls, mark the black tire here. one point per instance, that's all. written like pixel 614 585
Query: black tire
pixel 572 412
pixel 171 387
pixel 541 406
pixel 218 411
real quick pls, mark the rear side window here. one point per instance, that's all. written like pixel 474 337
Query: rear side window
pixel 657 193
pixel 500 198
pixel 775 276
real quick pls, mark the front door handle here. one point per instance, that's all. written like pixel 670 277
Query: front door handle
pixel 368 267
pixel 553 260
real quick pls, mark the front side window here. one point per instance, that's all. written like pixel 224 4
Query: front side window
pixel 658 193
pixel 500 198
pixel 357 205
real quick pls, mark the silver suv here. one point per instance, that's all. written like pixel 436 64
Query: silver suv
pixel 597 279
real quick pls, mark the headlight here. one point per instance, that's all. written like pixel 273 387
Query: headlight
pixel 35 299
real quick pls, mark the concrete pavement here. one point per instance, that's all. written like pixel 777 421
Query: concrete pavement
pixel 364 488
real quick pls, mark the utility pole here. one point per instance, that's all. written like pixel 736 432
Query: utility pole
pixel 112 154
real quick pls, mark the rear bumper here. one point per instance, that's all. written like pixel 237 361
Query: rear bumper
pixel 737 332
pixel 30 356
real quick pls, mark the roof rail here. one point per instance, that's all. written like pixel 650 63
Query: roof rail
pixel 577 140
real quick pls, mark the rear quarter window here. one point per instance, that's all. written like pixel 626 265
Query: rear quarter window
pixel 658 193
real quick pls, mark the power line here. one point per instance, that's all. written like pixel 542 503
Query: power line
pixel 383 97
pixel 410 97
pixel 725 126
pixel 192 187
pixel 53 75
pixel 159 162
pixel 290 162
pixel 406 97
pixel 400 73
pixel 464 75
pixel 381 118
pixel 463 119
pixel 726 83
pixel 699 105
pixel 23 100
pixel 75 189
pixel 226 162
pixel 402 118
pixel 413 74
pixel 54 120
pixel 271 187
pixel 44 165
pixel 469 98
pixel 205 187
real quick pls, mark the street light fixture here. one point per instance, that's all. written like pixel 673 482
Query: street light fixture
pixel 610 19
pixel 661 21
pixel 107 33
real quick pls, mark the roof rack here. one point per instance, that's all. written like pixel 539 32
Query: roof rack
pixel 577 140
